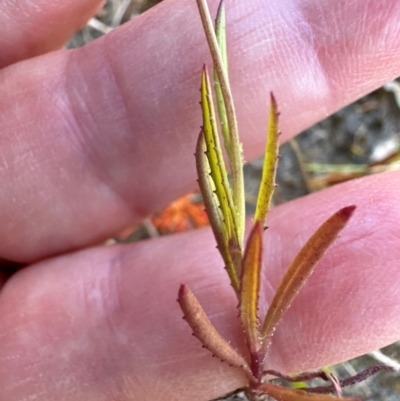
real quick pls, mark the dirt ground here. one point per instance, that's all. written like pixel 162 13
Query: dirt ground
pixel 360 139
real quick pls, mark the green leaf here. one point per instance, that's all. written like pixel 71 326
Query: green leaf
pixel 267 184
pixel 220 32
pixel 207 333
pixel 235 146
pixel 301 268
pixel 217 165
pixel 213 208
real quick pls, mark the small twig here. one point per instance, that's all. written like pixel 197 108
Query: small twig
pixel 380 357
pixel 350 381
pixel 352 372
pixel 100 26
pixel 120 11
pixel 319 374
pixel 150 228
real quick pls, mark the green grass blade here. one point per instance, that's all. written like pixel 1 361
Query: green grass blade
pixel 267 184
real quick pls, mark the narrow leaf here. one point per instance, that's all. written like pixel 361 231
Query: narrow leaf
pixel 206 332
pixel 213 208
pixel 281 393
pixel 235 146
pixel 250 288
pixel 267 184
pixel 220 32
pixel 217 164
pixel 301 268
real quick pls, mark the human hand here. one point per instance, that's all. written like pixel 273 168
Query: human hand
pixel 96 139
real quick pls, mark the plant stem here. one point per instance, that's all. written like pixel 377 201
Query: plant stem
pixel 236 162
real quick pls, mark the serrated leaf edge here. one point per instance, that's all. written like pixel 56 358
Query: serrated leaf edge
pixel 301 268
pixel 267 184
pixel 206 333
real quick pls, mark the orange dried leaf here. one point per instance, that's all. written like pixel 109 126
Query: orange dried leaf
pixel 206 332
pixel 301 268
pixel 181 215
pixel 281 393
pixel 250 287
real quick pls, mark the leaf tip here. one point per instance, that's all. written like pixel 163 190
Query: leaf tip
pixel 182 293
pixel 273 100
pixel 347 212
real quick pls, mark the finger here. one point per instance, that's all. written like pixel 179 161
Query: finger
pixel 34 28
pixel 104 323
pixel 112 137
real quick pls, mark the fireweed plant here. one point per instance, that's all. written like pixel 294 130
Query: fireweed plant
pixel 225 207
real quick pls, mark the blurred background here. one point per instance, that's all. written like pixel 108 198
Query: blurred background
pixel 363 138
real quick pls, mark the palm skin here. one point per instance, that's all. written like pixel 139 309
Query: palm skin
pixel 95 139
